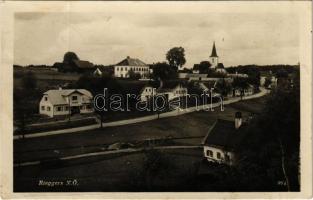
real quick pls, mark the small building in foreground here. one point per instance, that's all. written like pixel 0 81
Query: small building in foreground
pixel 222 139
pixel 65 102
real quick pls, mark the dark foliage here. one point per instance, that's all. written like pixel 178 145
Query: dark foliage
pixel 163 71
pixel 270 154
pixel 176 57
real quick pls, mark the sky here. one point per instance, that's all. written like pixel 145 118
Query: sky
pixel 109 37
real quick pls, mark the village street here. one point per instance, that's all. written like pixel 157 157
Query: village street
pixel 262 92
pixel 184 130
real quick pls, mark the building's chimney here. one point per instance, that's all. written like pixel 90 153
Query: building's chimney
pixel 238 120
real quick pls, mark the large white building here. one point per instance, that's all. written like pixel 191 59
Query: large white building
pixel 65 102
pixel 128 65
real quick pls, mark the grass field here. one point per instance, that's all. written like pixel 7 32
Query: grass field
pixel 124 172
pixel 46 79
pixel 193 125
pixel 172 171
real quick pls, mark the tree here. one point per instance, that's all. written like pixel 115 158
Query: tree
pixel 204 67
pixel 270 153
pixel 176 57
pixel 69 58
pixel 133 75
pixel 223 87
pixel 163 71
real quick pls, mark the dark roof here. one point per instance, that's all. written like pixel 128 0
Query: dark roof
pixel 84 64
pixel 136 87
pixel 169 85
pixel 214 54
pixel 105 68
pixel 131 62
pixel 224 134
pixel 196 66
pixel 220 65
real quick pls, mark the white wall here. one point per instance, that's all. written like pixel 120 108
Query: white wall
pixel 146 93
pixel 81 101
pixel 62 112
pixel 45 104
pixel 214 158
pixel 122 71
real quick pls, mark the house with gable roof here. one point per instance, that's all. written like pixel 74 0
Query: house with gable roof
pixel 221 143
pixel 172 89
pixel 65 102
pixel 123 68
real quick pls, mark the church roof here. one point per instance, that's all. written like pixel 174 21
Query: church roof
pixel 214 54
pixel 220 65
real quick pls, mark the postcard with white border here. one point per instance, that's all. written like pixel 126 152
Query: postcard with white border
pixel 159 99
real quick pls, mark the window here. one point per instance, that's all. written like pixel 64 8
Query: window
pixel 59 108
pixel 121 68
pixel 218 155
pixel 117 69
pixel 66 108
pixel 74 98
pixel 122 75
pixel 46 98
pixel 209 153
pixel 42 107
pixel 88 107
pixel 48 108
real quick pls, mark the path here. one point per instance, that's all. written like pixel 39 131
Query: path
pixel 141 119
pixel 99 153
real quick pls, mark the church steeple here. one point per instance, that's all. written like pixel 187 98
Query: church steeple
pixel 213 54
pixel 214 57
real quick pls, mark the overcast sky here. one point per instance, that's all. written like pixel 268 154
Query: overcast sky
pixel 107 38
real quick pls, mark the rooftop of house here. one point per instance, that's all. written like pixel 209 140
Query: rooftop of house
pixel 220 65
pixel 57 97
pixel 128 61
pixel 168 86
pixel 196 66
pixel 223 134
pixel 83 64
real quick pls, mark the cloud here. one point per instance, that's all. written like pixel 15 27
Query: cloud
pixel 105 38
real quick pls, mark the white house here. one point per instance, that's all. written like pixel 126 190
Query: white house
pixel 270 76
pixel 237 91
pixel 123 68
pixel 172 90
pixel 146 93
pixel 65 102
pixel 222 139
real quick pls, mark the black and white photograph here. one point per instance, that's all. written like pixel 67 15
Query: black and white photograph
pixel 160 97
